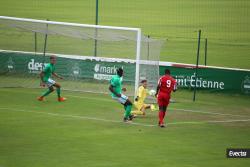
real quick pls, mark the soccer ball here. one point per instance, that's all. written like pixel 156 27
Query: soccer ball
pixel 152 92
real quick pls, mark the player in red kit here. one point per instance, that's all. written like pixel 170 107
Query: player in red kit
pixel 166 85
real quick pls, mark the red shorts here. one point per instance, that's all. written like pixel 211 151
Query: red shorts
pixel 163 100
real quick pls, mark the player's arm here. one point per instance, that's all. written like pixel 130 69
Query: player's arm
pixel 139 94
pixel 56 75
pixel 41 75
pixel 158 87
pixel 111 89
pixel 175 86
pixel 137 98
pixel 157 90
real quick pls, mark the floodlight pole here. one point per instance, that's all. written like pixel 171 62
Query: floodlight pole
pixel 96 23
pixel 197 63
pixel 45 46
pixel 148 46
pixel 97 12
pixel 206 52
pixel 35 42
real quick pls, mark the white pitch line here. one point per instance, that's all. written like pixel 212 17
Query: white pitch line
pixel 213 113
pixel 91 98
pixel 76 116
pixel 110 100
pixel 114 121
pixel 204 122
pixel 186 110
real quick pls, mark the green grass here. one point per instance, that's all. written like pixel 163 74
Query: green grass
pixel 73 84
pixel 87 130
pixel 66 134
pixel 225 24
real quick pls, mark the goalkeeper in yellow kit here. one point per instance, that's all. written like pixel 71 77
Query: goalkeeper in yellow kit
pixel 139 100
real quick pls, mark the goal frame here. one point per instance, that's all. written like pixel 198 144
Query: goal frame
pixel 137 30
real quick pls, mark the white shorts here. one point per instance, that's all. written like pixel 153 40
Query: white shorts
pixel 121 99
pixel 50 82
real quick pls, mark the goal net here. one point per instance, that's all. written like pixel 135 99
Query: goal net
pixel 87 55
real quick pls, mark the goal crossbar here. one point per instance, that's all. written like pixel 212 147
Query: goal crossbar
pixel 41 26
pixel 68 24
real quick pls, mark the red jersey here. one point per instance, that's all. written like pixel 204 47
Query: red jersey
pixel 166 84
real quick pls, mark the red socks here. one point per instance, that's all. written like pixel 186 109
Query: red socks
pixel 161 116
pixel 164 114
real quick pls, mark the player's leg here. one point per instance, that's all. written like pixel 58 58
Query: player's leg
pixel 163 103
pixel 164 110
pixel 143 108
pixel 162 113
pixel 161 116
pixel 49 84
pixel 138 110
pixel 152 107
pixel 51 89
pixel 58 91
pixel 146 106
pixel 128 106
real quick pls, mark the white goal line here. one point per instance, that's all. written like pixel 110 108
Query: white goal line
pixel 213 113
pixel 170 108
pixel 115 121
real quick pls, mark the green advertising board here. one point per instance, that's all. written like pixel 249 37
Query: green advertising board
pixel 31 64
pixel 216 79
pixel 208 78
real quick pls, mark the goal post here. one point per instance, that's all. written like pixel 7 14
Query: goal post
pixel 73 44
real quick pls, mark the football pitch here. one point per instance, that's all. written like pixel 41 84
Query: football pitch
pixel 87 130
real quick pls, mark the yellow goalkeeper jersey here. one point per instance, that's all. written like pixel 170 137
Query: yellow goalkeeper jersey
pixel 141 94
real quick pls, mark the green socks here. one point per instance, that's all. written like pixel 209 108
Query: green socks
pixel 127 111
pixel 58 91
pixel 46 93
